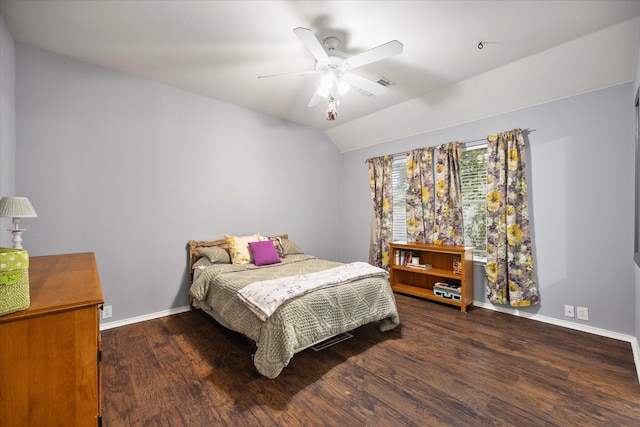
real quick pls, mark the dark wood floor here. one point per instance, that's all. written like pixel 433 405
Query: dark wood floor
pixel 441 367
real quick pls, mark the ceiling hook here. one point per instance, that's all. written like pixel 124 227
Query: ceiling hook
pixel 480 45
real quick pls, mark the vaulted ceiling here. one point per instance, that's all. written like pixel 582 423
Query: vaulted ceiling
pixel 533 52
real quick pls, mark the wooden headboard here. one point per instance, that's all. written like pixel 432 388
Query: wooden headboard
pixel 195 244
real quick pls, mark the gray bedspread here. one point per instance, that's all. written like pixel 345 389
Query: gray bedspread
pixel 300 321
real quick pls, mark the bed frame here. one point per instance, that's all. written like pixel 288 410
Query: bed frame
pixel 194 256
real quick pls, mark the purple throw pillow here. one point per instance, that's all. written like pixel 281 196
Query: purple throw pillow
pixel 264 252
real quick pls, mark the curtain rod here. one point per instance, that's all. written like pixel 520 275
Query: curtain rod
pixel 470 143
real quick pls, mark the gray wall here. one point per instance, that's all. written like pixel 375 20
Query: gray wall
pixel 581 166
pixel 7 124
pixel 132 170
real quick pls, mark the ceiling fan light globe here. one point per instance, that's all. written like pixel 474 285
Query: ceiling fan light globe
pixel 327 81
pixel 343 87
pixel 323 92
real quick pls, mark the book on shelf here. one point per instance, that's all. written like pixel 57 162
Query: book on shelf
pixel 403 257
pixel 409 258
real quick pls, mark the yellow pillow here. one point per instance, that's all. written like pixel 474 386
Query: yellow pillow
pixel 239 248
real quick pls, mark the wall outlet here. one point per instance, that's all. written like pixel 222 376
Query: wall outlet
pixel 568 311
pixel 583 313
pixel 106 311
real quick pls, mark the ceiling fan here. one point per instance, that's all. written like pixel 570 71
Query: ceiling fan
pixel 335 67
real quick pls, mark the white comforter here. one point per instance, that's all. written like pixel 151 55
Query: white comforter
pixel 263 298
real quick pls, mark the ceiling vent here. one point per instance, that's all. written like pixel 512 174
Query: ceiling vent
pixel 386 82
pixel 383 81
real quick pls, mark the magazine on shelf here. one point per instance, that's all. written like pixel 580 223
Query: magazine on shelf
pixel 420 266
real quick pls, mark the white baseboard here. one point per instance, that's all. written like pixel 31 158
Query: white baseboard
pixel 571 325
pixel 131 320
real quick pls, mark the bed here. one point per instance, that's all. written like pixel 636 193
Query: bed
pixel 350 296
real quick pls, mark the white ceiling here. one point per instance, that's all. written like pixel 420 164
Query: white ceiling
pixel 219 48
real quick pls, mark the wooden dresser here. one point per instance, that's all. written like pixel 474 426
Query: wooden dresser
pixel 50 353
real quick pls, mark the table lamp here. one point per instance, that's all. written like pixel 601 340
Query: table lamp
pixel 16 208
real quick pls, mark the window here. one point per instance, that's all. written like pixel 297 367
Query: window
pixel 399 181
pixel 473 174
pixel 473 168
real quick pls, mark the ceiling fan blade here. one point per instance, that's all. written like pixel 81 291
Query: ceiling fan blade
pixel 310 41
pixel 367 85
pixel 298 73
pixel 315 100
pixel 383 51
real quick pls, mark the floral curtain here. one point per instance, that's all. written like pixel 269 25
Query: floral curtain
pixel 510 274
pixel 434 195
pixel 380 182
pixel 448 228
pixel 419 196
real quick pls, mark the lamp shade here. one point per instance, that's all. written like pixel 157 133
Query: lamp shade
pixel 16 207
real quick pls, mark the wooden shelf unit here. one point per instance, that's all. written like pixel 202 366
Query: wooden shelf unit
pixel 419 282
